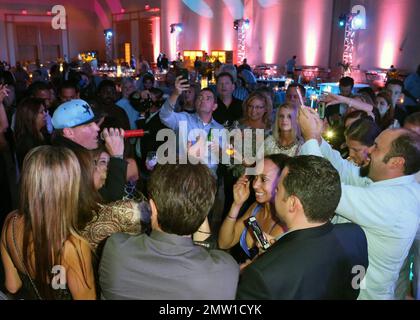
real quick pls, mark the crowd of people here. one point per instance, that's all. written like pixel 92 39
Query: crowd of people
pixel 89 214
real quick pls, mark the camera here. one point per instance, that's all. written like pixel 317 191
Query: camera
pixel 258 233
pixel 140 104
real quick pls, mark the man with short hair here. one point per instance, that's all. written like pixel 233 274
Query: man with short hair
pixel 334 112
pixel 395 88
pixel 68 91
pixel 290 67
pixel 128 87
pixel 346 85
pixel 314 259
pixel 205 106
pixel 115 116
pixel 382 197
pixel 412 122
pixel 167 265
pixel 75 127
pixel 229 108
pixel 292 95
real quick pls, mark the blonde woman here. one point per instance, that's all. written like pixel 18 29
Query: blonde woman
pixel 286 138
pixel 257 109
pixel 39 242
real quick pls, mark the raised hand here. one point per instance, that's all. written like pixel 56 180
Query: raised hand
pixel 241 190
pixel 4 92
pixel 310 123
pixel 181 85
pixel 114 141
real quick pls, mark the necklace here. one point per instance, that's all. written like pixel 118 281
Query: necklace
pixel 288 147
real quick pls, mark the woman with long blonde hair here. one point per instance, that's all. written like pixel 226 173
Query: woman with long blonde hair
pixel 42 253
pixel 286 136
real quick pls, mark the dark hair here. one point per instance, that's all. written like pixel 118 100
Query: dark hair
pixel 385 95
pixel 346 82
pixel 363 130
pixel 26 115
pixel 357 114
pixel 37 86
pixel 298 85
pixel 105 83
pixel 212 92
pixel 316 183
pixel 68 84
pixel 395 82
pixel 413 119
pixel 368 91
pixel 158 93
pixel 407 146
pixel 7 78
pixel 225 74
pixel 280 160
pixel 148 76
pixel 183 194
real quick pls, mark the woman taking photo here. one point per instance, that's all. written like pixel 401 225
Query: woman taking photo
pixel 41 235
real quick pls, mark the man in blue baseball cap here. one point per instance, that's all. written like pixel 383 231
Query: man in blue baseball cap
pixel 77 122
pixel 75 127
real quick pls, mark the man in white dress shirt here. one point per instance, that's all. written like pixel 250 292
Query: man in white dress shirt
pixel 383 198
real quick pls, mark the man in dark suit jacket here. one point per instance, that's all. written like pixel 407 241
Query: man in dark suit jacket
pixel 167 264
pixel 314 259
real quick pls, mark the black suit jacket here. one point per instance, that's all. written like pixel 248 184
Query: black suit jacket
pixel 149 142
pixel 314 263
pixel 227 115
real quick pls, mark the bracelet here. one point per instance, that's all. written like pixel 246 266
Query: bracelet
pixel 118 156
pixel 203 232
pixel 232 218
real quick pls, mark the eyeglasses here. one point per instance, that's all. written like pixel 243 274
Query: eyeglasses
pixel 256 107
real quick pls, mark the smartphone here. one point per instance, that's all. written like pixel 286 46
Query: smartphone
pixel 258 233
pixel 321 109
pixel 184 73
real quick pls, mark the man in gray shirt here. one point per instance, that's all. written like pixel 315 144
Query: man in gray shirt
pixel 167 264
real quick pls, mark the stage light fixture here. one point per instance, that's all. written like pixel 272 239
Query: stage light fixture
pixel 342 21
pixel 236 24
pixel 176 27
pixel 108 33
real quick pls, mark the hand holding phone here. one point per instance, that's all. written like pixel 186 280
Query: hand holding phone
pixel 184 73
pixel 321 109
pixel 258 233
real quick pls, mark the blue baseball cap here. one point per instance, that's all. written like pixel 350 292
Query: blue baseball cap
pixel 73 113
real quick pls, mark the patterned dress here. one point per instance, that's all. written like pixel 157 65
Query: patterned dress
pixel 271 146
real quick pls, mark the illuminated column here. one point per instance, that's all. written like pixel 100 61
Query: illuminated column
pixel 176 29
pixel 108 44
pixel 349 35
pixel 241 26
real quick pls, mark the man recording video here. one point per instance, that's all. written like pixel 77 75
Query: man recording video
pixel 148 104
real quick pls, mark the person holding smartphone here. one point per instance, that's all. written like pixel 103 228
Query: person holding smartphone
pixel 233 230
